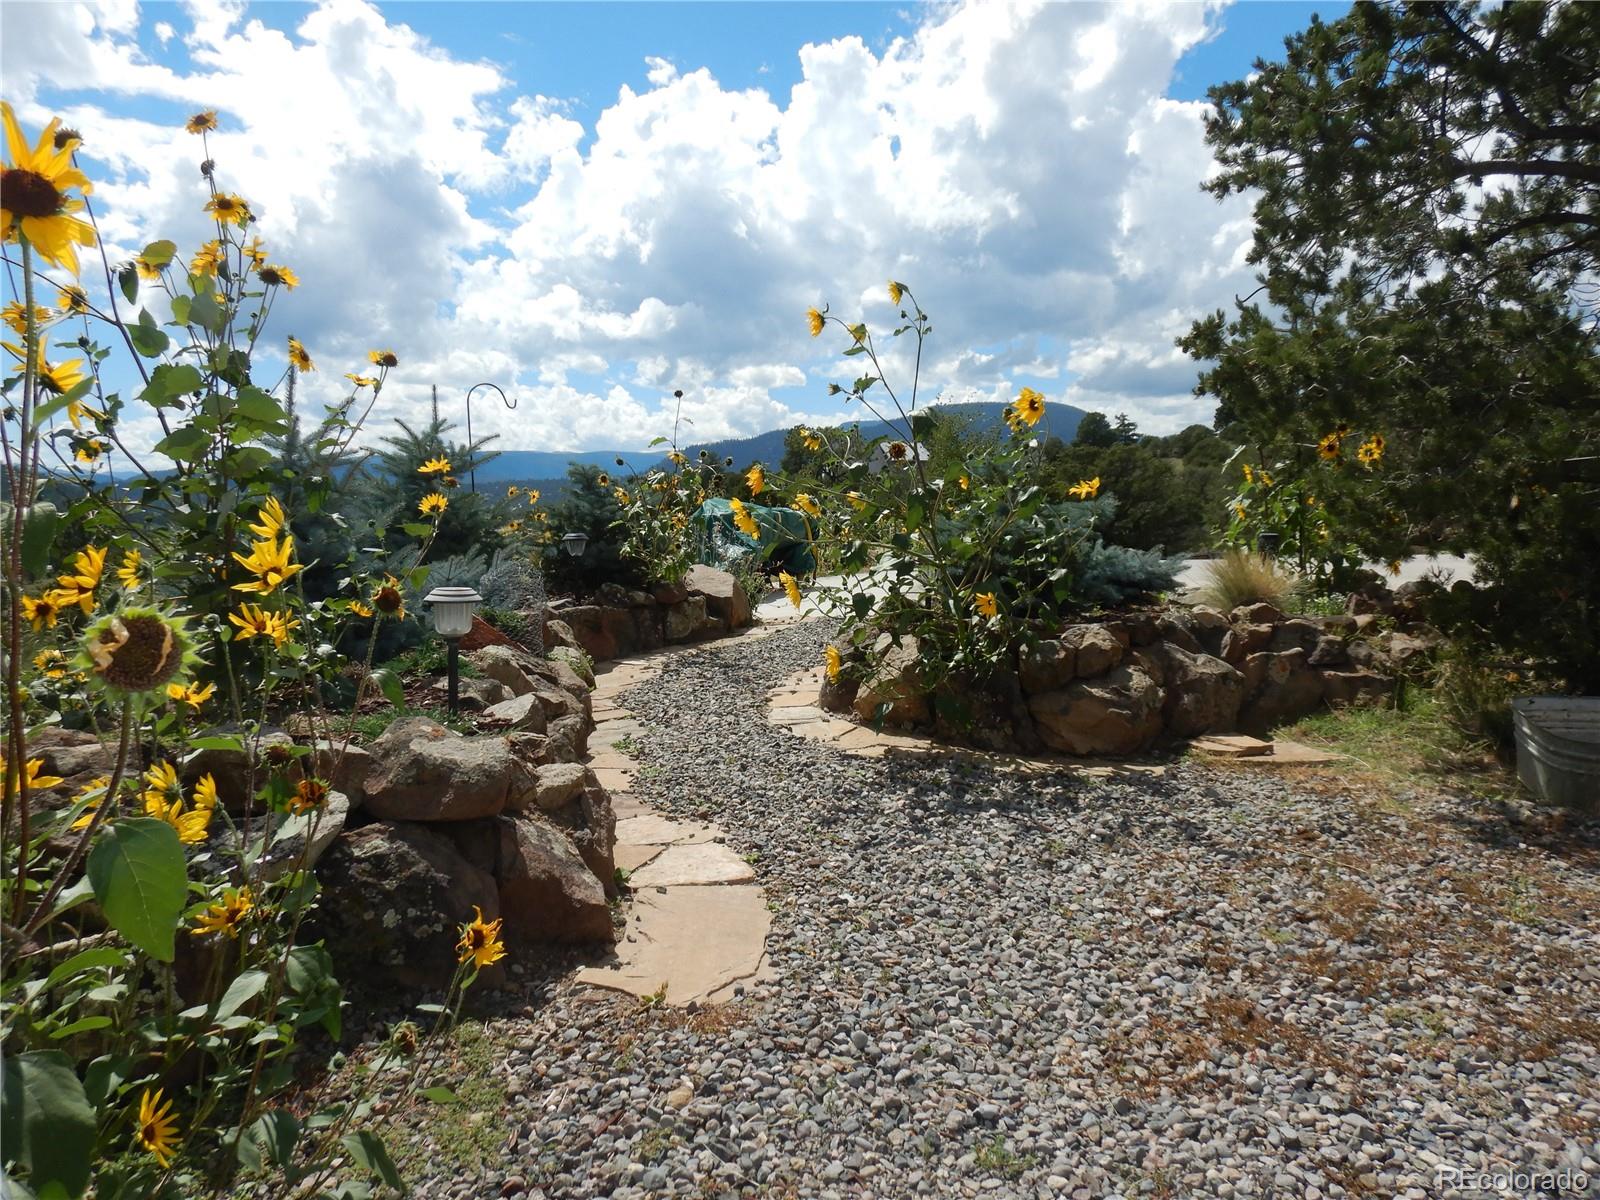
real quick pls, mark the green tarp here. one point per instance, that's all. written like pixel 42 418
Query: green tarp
pixel 784 545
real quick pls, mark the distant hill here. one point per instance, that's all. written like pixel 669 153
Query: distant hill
pixel 547 470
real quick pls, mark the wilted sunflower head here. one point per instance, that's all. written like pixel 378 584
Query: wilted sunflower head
pixel 136 649
pixel 389 599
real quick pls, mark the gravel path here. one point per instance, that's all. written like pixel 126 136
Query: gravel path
pixel 1216 983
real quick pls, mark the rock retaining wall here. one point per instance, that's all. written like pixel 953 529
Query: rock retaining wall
pixel 1120 685
pixel 619 622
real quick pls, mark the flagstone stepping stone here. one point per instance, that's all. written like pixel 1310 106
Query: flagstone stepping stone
pixel 649 828
pixel 614 779
pixel 626 804
pixel 690 864
pixel 631 857
pixel 1291 754
pixel 693 941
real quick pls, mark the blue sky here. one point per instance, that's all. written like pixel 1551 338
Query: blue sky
pixel 592 204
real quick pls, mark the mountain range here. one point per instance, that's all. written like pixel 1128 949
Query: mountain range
pixel 547 469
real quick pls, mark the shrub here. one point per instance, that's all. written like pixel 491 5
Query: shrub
pixel 657 510
pixel 1242 576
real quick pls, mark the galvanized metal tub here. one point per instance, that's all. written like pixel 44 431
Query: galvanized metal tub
pixel 1558 748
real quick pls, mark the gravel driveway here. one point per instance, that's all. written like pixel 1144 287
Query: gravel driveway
pixel 1216 983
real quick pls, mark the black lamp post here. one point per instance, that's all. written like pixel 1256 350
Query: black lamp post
pixel 1268 543
pixel 575 544
pixel 452 609
pixel 508 401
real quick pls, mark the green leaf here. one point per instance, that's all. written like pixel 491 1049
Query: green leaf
pixel 46 1123
pixel 159 254
pixel 271 1138
pixel 80 1026
pixel 391 687
pixel 205 312
pixel 185 444
pixel 657 440
pixel 246 986
pixel 39 525
pixel 416 529
pixel 217 743
pixel 128 281
pixel 440 1095
pixel 168 382
pixel 367 1149
pixel 86 960
pixel 180 310
pixel 147 339
pixel 855 350
pixel 257 405
pixel 139 878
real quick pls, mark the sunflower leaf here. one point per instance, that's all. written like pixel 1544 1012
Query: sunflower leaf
pixel 139 878
pixel 46 1123
pixel 147 339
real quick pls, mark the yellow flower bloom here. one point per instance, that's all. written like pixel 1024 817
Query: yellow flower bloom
pixel 205 791
pixel 1238 511
pixel 622 496
pixel 298 356
pixel 1249 475
pixel 227 917
pixel 255 253
pixel 30 774
pixel 677 458
pixel 435 466
pixel 309 794
pixel 1370 452
pixel 228 209
pixel 896 290
pixel 807 505
pixel 33 194
pixel 756 479
pixel 857 500
pixel 361 381
pixel 189 694
pixel 52 664
pixel 1029 406
pixel 56 378
pixel 833 662
pixel 270 519
pixel 90 451
pixel 207 259
pixel 91 795
pixel 791 587
pixel 533 496
pixel 269 562
pixel 157 1129
pixel 513 490
pixel 43 611
pixel 986 604
pixel 78 585
pixel 742 519
pixel 811 439
pixel 128 572
pixel 815 319
pixel 1394 567
pixel 72 299
pixel 148 269
pixel 1085 489
pixel 278 276
pixel 160 784
pixel 1330 445
pixel 603 479
pixel 255 621
pixel 202 122
pixel 434 503
pixel 361 608
pixel 382 358
pixel 16 316
pixel 1266 479
pixel 480 941
pixel 965 482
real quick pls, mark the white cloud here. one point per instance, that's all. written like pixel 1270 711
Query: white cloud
pixel 1014 162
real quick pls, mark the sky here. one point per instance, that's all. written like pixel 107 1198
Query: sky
pixel 594 204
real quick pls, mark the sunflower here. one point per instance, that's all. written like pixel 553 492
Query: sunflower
pixel 298 358
pixel 742 519
pixel 78 585
pixel 833 663
pixel 136 649
pixel 91 795
pixel 255 621
pixel 228 209
pixel 1030 406
pixel 756 479
pixel 435 466
pixel 361 608
pixel 56 378
pixel 1370 452
pixel 190 694
pixel 256 253
pixel 269 562
pixel 1085 489
pixel 382 358
pixel 804 502
pixel 389 599
pixel 512 490
pixel 163 800
pixel 1249 475
pixel 90 450
pixel 309 794
pixel 986 604
pixel 16 316
pixel 270 519
pixel 1330 444
pixel 228 916
pixel 202 122
pixel 480 942
pixel 811 439
pixel 30 775
pixel 72 299
pixel 791 587
pixel 814 318
pixel 898 451
pixel 603 479
pixel 896 290
pixel 128 572
pixel 533 496
pixel 157 1129
pixel 1266 479
pixel 207 259
pixel 622 496
pixel 276 276
pixel 52 664
pixel 964 482
pixel 361 381
pixel 434 503
pixel 33 195
pixel 42 611
pixel 857 500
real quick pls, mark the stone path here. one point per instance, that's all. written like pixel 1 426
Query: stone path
pixel 697 920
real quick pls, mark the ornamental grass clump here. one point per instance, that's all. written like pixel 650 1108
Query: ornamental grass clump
pixel 157 996
pixel 1242 576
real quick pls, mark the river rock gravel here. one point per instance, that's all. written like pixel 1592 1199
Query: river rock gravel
pixel 1220 982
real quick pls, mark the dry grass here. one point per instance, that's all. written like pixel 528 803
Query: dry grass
pixel 1241 577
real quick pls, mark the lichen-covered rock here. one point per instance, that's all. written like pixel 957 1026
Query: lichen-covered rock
pixel 685 618
pixel 547 892
pixel 522 713
pixel 393 897
pixel 893 692
pixel 423 772
pixel 574 660
pixel 556 784
pixel 1047 665
pixel 724 595
pixel 1117 713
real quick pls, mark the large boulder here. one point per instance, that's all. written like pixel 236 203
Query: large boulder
pixel 393 899
pixel 344 765
pixel 239 773
pixel 557 633
pixel 1355 687
pixel 1047 665
pixel 574 660
pixel 1281 686
pixel 77 756
pixel 1203 692
pixel 423 772
pixel 522 713
pixel 724 596
pixel 893 692
pixel 602 631
pixel 547 891
pixel 1095 648
pixel 685 618
pixel 1243 640
pixel 1296 633
pixel 472 695
pixel 1118 713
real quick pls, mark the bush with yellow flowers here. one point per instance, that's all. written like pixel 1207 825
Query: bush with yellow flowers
pixel 155 991
pixel 970 560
